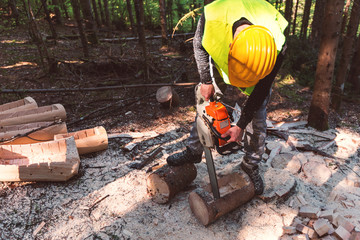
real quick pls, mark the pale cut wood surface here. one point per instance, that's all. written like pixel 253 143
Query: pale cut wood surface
pixel 56 160
pixel 88 140
pixel 19 105
pixel 47 113
pixel 40 132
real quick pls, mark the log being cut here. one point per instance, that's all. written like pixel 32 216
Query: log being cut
pixel 42 114
pixel 20 105
pixel 167 181
pixel 57 160
pixel 88 140
pixel 235 190
pixel 31 132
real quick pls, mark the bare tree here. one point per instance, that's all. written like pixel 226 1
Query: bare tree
pixel 107 13
pixel 319 108
pixel 317 22
pixel 131 18
pixel 58 16
pixel 164 39
pixel 347 52
pixel 102 15
pixel 76 9
pixel 288 14
pixel 48 19
pixel 295 16
pixel 354 75
pixel 14 11
pixel 90 26
pixel 305 19
pixel 96 13
pixel 139 10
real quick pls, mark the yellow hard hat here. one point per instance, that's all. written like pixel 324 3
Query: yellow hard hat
pixel 252 56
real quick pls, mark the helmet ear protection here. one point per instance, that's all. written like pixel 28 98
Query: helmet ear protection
pixel 252 56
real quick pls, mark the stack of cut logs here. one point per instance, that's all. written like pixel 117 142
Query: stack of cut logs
pixel 36 146
pixel 314 223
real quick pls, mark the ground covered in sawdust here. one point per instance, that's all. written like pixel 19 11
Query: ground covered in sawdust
pixel 108 199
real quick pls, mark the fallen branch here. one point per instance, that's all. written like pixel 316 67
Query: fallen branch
pixel 307 147
pixel 58 90
pixel 147 159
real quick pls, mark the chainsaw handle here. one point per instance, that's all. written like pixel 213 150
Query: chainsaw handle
pixel 216 133
pixel 229 148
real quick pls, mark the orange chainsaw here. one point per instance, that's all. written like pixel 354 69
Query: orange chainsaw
pixel 212 122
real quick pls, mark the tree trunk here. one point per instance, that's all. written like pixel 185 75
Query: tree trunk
pixel 131 18
pixel 37 38
pixel 76 8
pixel 139 9
pixel 347 52
pixel 354 76
pixel 316 28
pixel 305 20
pixel 96 13
pixel 89 21
pixel 169 13
pixel 164 39
pixel 107 13
pixel 319 108
pixel 64 8
pixel 102 15
pixel 14 11
pixel 345 18
pixel 295 16
pixel 48 19
pixel 58 16
pixel 288 14
pixel 167 181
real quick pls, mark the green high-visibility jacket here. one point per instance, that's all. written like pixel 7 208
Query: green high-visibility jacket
pixel 220 16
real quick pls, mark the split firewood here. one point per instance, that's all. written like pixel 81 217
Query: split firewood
pixel 42 114
pixel 31 132
pixel 20 105
pixel 167 97
pixel 147 159
pixel 283 135
pixel 167 181
pixel 88 140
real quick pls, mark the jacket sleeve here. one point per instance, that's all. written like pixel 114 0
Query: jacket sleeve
pixel 201 56
pixel 260 93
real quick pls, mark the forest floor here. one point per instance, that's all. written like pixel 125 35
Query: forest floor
pixel 108 199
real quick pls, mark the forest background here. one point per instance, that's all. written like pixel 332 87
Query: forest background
pixel 322 37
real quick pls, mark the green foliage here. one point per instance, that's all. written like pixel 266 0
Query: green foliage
pixel 300 61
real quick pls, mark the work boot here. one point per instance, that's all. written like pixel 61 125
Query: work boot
pixel 186 156
pixel 253 171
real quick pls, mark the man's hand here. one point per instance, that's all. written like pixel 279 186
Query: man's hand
pixel 236 134
pixel 207 90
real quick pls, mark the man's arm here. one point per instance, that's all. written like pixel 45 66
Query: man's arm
pixel 201 56
pixel 260 93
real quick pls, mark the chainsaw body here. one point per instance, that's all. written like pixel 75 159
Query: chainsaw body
pixel 212 121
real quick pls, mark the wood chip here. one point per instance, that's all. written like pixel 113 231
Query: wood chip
pixel 37 230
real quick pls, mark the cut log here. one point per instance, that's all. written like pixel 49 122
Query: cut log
pixel 57 160
pixel 31 132
pixel 166 182
pixel 167 97
pixel 88 140
pixel 235 190
pixel 20 105
pixel 42 114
